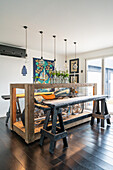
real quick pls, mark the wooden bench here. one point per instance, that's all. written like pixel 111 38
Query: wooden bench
pixel 18 109
pixel 57 104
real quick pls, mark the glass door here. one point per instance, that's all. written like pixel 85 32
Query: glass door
pixel 94 75
pixel 100 71
pixel 108 82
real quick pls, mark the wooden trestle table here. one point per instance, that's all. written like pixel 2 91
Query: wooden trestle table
pixel 55 106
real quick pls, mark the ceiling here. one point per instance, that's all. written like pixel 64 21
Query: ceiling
pixel 88 22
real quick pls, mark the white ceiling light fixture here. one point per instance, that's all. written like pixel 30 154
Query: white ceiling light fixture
pixel 24 69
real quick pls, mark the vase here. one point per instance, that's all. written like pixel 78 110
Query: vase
pixel 61 79
pixel 54 79
pixel 66 80
pixel 58 79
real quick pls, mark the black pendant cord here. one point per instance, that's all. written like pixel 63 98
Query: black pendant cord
pixel 65 50
pixel 75 58
pixel 25 27
pixel 41 32
pixel 26 42
pixel 54 36
pixel 42 60
pixel 75 49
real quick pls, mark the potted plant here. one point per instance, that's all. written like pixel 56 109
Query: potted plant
pixel 35 78
pixel 66 77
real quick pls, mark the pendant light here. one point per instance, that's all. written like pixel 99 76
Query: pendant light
pixel 75 58
pixel 75 49
pixel 41 62
pixel 54 36
pixel 65 54
pixel 24 69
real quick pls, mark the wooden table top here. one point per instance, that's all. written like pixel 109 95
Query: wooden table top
pixel 7 97
pixel 74 100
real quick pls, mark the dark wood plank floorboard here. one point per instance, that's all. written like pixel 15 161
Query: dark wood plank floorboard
pixel 89 148
pixel 104 150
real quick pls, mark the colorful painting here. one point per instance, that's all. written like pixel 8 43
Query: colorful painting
pixel 42 71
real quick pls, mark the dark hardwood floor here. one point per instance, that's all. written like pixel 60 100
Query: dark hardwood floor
pixel 89 148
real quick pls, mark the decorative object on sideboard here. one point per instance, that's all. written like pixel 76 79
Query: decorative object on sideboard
pixel 24 69
pixel 59 77
pixel 74 78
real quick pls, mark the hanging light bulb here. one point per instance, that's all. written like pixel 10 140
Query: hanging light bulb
pixel 24 69
pixel 41 62
pixel 54 36
pixel 65 54
pixel 75 65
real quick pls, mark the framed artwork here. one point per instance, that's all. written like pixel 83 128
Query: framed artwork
pixel 74 79
pixel 42 70
pixel 74 66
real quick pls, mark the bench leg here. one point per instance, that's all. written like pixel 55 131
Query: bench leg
pixel 53 131
pixel 102 111
pixel 98 112
pixel 52 147
pixel 106 112
pixel 62 129
pixel 41 139
pixel 108 121
pixel 94 110
pixel 44 127
pixel 92 121
pixel 8 116
pixel 102 123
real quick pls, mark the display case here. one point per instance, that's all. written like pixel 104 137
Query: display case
pixel 31 131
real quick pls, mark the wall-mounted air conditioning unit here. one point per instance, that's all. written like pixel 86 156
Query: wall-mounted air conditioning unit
pixel 12 51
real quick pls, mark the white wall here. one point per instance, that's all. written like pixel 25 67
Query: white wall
pixel 10 72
